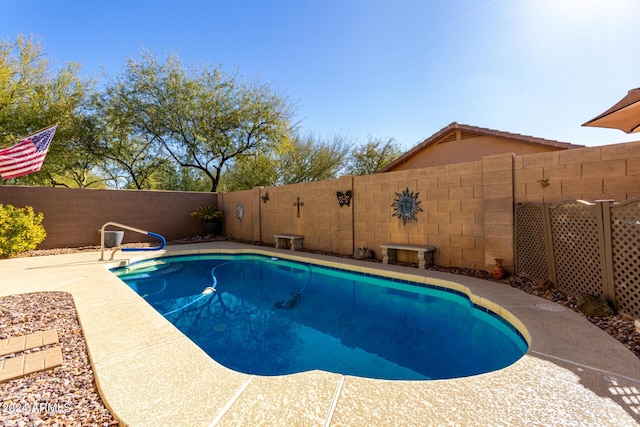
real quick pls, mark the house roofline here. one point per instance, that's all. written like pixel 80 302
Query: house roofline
pixel 455 126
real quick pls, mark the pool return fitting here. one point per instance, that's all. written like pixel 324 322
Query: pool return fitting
pixel 163 241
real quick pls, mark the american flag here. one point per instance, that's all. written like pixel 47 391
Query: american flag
pixel 27 155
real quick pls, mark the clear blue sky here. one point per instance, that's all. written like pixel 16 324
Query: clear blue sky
pixel 395 68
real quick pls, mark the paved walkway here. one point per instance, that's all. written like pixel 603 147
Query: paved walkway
pixel 24 364
pixel 149 373
pixel 27 342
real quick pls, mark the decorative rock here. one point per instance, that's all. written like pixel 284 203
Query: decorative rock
pixel 363 253
pixel 546 285
pixel 592 305
pixel 70 389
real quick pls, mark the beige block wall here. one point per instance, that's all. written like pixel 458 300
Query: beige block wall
pixel 451 220
pixel 592 173
pixel 467 207
pixel 467 213
pixel 323 223
pixel 241 214
pixel 498 210
pixel 73 216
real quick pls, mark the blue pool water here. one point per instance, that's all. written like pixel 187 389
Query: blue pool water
pixel 269 316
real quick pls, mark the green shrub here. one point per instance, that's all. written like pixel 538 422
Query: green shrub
pixel 20 230
pixel 208 213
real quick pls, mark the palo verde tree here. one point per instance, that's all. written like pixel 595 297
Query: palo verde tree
pixel 307 157
pixel 131 158
pixel 372 156
pixel 247 172
pixel 180 179
pixel 33 96
pixel 202 118
pixel 301 158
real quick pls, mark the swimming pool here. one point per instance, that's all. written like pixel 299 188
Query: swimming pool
pixel 270 316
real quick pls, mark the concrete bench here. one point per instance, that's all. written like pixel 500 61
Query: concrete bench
pixel 425 253
pixel 292 241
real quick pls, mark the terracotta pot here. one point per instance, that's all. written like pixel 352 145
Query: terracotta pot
pixel 498 270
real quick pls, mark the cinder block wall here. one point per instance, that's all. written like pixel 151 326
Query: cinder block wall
pixel 452 219
pixel 241 214
pixel 73 216
pixel 467 212
pixel 498 204
pixel 274 210
pixel 593 173
pixel 467 207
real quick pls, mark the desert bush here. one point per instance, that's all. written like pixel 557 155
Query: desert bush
pixel 21 230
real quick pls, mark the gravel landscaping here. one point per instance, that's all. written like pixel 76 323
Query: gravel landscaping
pixel 618 326
pixel 62 396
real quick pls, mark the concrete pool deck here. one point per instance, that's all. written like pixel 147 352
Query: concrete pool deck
pixel 149 373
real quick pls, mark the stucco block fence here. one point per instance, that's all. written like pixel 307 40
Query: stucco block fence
pixel 466 212
pixel 467 208
pixel 73 216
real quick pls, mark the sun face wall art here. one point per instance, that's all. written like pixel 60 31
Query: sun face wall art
pixel 406 206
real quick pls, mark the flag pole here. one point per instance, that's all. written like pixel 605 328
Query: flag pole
pixel 33 133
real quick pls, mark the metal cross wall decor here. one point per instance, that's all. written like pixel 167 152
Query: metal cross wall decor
pixel 297 204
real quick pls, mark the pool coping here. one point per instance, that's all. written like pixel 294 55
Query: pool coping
pixel 149 373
